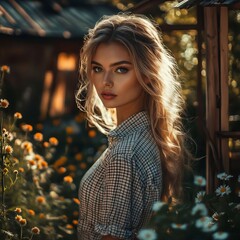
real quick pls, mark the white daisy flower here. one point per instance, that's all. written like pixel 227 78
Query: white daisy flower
pixel 206 224
pixel 223 190
pixel 200 208
pixel 199 181
pixel 200 196
pixel 147 234
pixel 237 206
pixel 203 221
pixel 220 235
pixel 216 215
pixel 18 142
pixel 157 205
pixel 179 226
pixel 238 178
pixel 211 227
pixel 224 176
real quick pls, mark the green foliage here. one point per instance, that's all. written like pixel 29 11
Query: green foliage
pixel 39 174
pixel 208 216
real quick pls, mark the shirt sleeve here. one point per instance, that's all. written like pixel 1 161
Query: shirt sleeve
pixel 116 207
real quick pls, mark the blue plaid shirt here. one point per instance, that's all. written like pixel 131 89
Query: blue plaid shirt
pixel 117 193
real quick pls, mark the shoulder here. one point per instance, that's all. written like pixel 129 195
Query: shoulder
pixel 138 151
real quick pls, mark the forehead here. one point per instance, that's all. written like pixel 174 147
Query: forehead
pixel 110 52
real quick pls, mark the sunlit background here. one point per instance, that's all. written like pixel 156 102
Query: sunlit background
pixel 40 41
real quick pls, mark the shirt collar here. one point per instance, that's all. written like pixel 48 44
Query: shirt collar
pixel 134 123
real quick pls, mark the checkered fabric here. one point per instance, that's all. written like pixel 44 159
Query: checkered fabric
pixel 117 193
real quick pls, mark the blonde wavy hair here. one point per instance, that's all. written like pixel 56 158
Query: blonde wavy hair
pixel 164 102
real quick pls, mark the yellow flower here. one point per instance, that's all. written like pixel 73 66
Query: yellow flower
pixel 69 226
pixel 92 133
pixel 42 164
pixel 18 210
pixel 68 179
pixel 31 212
pixel 41 215
pixel 79 156
pixel 4 103
pixel 69 130
pixel 31 162
pixel 27 127
pixel 18 142
pixel 35 230
pixel 71 167
pixel 15 172
pixel 46 144
pixel 75 222
pixel 5 68
pixel 40 199
pixel 23 222
pixel 15 160
pixel 17 115
pixel 38 136
pixel 83 165
pixel 61 170
pixel 62 160
pixel 53 141
pixel 38 157
pixel 5 171
pixel 76 200
pixel 8 149
pixel 18 218
pixel 21 170
pixel 26 145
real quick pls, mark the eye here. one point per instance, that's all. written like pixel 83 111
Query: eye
pixel 96 69
pixel 122 70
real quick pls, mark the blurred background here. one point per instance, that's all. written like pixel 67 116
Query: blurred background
pixel 40 42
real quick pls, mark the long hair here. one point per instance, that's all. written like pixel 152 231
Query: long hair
pixel 164 101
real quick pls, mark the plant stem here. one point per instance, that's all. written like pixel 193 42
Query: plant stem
pixel 31 237
pixel 2 167
pixel 1 83
pixel 21 233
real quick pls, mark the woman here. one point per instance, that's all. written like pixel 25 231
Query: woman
pixel 130 91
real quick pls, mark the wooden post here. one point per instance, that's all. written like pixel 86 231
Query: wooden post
pixel 224 90
pixel 212 92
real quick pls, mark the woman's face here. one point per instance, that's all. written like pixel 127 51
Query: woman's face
pixel 115 80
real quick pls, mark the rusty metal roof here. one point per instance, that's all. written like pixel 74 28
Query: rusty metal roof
pixel 191 3
pixel 36 18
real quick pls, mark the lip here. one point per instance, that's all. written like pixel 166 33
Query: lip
pixel 108 95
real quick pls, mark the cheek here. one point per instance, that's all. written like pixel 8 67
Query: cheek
pixel 134 86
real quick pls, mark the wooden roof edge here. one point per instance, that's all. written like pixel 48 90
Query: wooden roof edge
pixel 144 6
pixel 191 3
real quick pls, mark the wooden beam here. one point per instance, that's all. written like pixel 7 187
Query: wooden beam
pixel 224 89
pixel 145 6
pixel 212 94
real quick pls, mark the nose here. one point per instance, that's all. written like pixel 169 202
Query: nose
pixel 107 80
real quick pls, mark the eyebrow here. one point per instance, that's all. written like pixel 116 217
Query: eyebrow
pixel 113 64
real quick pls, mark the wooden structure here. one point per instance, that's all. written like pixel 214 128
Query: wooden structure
pixel 213 26
pixel 215 15
pixel 40 41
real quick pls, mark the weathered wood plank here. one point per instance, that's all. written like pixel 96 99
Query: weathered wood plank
pixel 224 90
pixel 212 90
